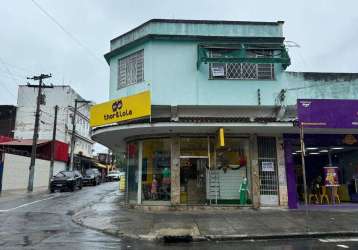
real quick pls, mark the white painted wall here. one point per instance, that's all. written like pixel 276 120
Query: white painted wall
pixel 64 97
pixel 16 172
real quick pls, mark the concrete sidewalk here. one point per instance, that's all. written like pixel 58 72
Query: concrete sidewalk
pixel 108 216
pixel 9 195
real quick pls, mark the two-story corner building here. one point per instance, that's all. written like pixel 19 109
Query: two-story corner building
pixel 64 97
pixel 202 110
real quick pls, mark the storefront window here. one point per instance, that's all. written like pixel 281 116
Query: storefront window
pixel 331 172
pixel 230 178
pixel 132 152
pixel 156 177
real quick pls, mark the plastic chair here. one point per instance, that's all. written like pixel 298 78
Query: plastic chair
pixel 324 194
pixel 335 195
pixel 310 196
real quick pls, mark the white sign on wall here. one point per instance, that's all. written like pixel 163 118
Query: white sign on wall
pixel 218 70
pixel 267 166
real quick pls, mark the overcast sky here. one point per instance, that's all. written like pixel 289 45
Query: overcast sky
pixel 31 43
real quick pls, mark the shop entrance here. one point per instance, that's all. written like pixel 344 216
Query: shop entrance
pixel 193 180
pixel 331 170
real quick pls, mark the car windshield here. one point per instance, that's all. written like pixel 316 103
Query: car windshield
pixel 91 171
pixel 64 174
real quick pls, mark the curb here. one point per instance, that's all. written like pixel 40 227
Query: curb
pixel 312 235
pixel 235 237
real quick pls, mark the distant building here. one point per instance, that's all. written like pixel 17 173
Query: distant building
pixel 7 120
pixel 63 96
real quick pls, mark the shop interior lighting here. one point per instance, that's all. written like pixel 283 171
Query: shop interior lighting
pixel 298 151
pixel 323 151
pixel 311 148
pixel 294 153
pixel 314 153
pixel 337 148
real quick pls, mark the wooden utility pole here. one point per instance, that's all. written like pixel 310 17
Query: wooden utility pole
pixel 53 144
pixel 36 128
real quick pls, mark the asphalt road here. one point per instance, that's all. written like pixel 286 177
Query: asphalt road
pixel 44 222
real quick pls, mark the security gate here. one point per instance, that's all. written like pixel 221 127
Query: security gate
pixel 267 159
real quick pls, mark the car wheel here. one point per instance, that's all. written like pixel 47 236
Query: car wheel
pixel 80 185
pixel 52 190
pixel 94 182
pixel 72 188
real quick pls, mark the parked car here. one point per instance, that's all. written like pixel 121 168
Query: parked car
pixel 92 177
pixel 66 180
pixel 113 176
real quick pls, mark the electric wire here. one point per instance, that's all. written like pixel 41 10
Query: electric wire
pixel 69 34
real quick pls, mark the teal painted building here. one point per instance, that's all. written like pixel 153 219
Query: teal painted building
pixel 203 76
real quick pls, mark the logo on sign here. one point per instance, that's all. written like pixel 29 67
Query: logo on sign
pixel 117 112
pixel 305 104
pixel 116 105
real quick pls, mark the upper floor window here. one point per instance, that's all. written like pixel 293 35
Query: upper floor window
pixel 241 71
pixel 131 69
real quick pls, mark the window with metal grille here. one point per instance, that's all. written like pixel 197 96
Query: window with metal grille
pixel 241 71
pixel 131 69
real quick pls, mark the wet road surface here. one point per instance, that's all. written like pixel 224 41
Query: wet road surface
pixel 44 222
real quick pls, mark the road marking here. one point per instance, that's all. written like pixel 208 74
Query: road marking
pixel 343 246
pixel 336 240
pixel 27 204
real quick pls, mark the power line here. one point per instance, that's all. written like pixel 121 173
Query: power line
pixel 69 34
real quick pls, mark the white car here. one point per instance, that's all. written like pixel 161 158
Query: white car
pixel 114 175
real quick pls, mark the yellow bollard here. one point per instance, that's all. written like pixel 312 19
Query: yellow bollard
pixel 122 184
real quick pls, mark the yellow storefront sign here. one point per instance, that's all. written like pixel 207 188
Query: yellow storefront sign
pixel 123 109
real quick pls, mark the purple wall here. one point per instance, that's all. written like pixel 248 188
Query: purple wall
pixel 335 113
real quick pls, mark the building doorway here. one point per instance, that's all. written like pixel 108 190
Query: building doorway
pixel 193 172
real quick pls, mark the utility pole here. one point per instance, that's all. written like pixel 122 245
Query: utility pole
pixel 73 134
pixel 53 146
pixel 36 128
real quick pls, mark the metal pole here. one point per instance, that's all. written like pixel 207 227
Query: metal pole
pixel 303 163
pixel 73 136
pixel 53 146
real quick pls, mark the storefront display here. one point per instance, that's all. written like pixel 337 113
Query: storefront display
pixel 207 174
pixel 156 170
pixel 331 161
pixel 211 174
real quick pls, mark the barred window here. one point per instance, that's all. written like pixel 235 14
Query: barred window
pixel 241 71
pixel 131 69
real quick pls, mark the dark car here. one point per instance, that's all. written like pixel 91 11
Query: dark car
pixel 66 180
pixel 92 177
